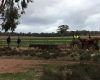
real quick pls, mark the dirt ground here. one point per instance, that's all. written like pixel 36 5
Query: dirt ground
pixel 20 65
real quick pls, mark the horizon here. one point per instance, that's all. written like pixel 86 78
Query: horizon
pixel 46 15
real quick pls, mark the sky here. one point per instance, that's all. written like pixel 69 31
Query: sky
pixel 47 15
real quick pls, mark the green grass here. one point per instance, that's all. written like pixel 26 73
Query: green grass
pixel 37 40
pixel 18 76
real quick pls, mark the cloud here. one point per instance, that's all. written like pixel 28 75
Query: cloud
pixel 47 15
pixel 93 18
pixel 93 21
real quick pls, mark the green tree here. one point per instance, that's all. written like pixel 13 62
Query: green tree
pixel 10 12
pixel 62 29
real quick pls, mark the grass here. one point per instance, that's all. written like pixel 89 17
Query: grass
pixel 36 40
pixel 29 75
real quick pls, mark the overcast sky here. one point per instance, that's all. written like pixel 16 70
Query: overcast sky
pixel 47 15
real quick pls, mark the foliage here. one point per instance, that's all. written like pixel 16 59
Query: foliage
pixel 72 72
pixel 48 54
pixel 51 72
pixel 96 58
pixel 10 19
pixel 86 56
pixel 85 72
pixel 10 13
pixel 62 29
pixel 21 4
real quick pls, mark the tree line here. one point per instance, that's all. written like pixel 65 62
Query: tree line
pixel 56 34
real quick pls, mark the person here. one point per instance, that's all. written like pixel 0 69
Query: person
pixel 89 36
pixel 76 36
pixel 8 41
pixel 18 41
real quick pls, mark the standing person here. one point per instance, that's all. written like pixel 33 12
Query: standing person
pixel 8 41
pixel 18 41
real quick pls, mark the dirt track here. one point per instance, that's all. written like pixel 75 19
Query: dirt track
pixel 19 65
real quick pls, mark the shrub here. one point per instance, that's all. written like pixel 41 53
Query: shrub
pixel 96 58
pixel 51 73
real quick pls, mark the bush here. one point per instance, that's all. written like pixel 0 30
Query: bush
pixel 96 58
pixel 85 56
pixel 72 72
pixel 51 73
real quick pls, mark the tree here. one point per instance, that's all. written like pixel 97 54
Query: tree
pixel 62 29
pixel 10 12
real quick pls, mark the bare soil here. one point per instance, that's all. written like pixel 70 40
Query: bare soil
pixel 20 65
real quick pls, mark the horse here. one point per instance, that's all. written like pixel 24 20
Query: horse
pixel 83 43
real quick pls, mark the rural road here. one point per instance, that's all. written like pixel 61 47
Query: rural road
pixel 20 65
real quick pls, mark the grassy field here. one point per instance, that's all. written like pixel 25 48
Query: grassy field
pixel 35 40
pixel 26 40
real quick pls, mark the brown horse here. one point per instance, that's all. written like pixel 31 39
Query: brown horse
pixel 83 43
